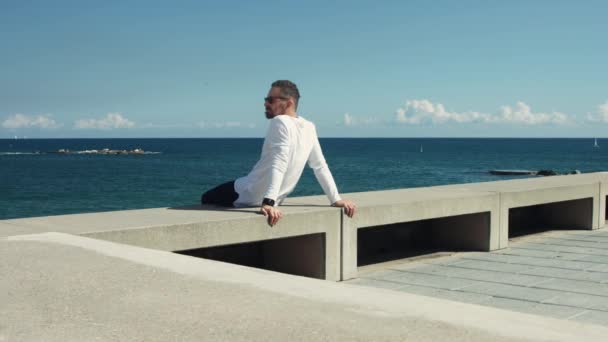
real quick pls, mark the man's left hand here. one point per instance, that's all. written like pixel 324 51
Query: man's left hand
pixel 273 214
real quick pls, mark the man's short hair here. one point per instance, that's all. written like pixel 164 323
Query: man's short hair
pixel 288 89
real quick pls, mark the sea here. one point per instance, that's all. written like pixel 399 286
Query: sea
pixel 35 180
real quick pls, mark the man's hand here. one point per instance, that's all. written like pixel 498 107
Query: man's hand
pixel 349 207
pixel 273 214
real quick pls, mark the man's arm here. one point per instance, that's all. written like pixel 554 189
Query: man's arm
pixel 317 162
pixel 278 140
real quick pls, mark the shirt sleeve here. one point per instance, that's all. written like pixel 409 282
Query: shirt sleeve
pixel 277 139
pixel 316 161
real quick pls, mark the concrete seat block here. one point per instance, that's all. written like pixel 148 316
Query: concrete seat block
pixel 457 227
pixel 545 190
pixel 176 229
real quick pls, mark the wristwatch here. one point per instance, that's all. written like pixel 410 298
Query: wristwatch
pixel 268 201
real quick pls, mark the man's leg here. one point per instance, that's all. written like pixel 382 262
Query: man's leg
pixel 223 195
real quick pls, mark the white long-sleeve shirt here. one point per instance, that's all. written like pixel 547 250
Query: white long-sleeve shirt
pixel 290 143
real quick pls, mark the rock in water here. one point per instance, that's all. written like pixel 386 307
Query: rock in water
pixel 547 173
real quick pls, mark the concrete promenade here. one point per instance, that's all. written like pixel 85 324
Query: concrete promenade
pixel 61 287
pixel 560 274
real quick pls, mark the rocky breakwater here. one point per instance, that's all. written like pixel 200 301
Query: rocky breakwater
pixel 103 151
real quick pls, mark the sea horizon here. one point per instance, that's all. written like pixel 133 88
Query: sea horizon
pixel 324 137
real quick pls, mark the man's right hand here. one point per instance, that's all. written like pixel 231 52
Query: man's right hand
pixel 349 207
pixel 273 214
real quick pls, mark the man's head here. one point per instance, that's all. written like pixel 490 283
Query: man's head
pixel 283 98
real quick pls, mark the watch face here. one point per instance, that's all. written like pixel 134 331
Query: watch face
pixel 268 201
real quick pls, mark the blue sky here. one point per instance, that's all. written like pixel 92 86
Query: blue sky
pixel 364 68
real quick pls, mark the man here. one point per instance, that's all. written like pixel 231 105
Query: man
pixel 291 142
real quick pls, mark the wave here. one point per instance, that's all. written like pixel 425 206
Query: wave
pixel 71 152
pixel 19 153
pixel 109 152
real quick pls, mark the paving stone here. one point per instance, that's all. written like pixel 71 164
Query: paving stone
pixel 593 317
pixel 577 286
pixel 549 310
pixel 560 255
pixel 598 268
pixel 528 252
pixel 374 283
pixel 378 274
pixel 481 275
pixel 564 242
pixel 424 291
pixel 600 232
pixel 506 278
pixel 451 260
pixel 435 281
pixel 552 272
pixel 513 292
pixel 442 270
pixel 532 261
pixel 537 245
pixel 579 237
pixel 566 249
pixel 457 296
pixel 575 257
pixel 597 258
pixel 580 300
pixel 493 266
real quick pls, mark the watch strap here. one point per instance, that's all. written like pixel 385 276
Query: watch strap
pixel 268 201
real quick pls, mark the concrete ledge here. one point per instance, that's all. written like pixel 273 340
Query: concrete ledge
pixel 554 189
pixel 383 208
pixel 199 227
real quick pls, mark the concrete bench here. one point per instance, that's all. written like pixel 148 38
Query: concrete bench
pixel 570 201
pixel 305 242
pixel 391 224
pixel 319 241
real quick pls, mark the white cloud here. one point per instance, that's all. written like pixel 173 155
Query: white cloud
pixel 350 120
pixel 110 121
pixel 417 112
pixel 162 125
pixel 522 114
pixel 226 124
pixel 26 121
pixel 601 115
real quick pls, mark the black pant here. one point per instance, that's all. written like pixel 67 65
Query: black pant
pixel 223 195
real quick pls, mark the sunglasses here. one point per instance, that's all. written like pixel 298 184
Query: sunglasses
pixel 271 99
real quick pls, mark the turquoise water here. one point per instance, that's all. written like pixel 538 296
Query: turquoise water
pixel 34 182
